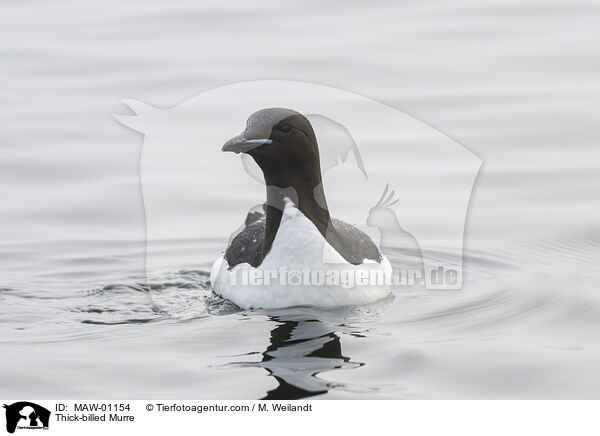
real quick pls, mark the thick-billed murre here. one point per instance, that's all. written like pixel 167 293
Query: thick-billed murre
pixel 295 233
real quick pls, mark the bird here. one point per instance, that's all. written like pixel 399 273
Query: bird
pixel 291 252
pixel 400 246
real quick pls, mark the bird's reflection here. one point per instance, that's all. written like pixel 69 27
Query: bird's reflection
pixel 299 350
pixel 302 348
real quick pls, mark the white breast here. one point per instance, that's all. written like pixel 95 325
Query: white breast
pixel 293 272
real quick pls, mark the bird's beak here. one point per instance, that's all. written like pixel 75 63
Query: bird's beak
pixel 240 144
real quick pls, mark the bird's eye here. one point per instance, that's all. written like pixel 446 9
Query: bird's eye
pixel 285 128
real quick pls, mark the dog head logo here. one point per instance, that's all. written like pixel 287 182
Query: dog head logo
pixel 26 415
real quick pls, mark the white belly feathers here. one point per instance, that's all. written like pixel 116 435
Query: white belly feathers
pixel 294 274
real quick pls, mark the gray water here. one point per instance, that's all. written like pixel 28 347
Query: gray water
pixel 516 83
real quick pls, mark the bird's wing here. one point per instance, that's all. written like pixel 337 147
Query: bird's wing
pixel 354 244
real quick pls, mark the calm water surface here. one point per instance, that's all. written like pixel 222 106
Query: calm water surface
pixel 515 82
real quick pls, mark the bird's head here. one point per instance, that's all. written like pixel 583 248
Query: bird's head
pixel 382 215
pixel 283 144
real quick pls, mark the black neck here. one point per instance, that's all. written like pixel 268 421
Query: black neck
pixel 309 198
